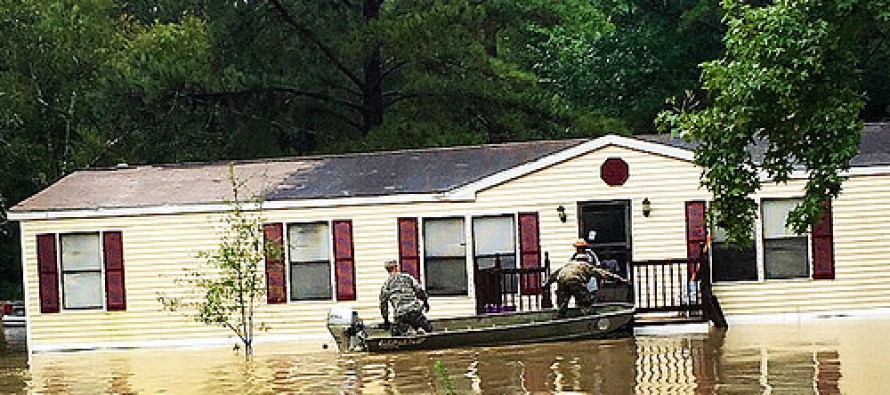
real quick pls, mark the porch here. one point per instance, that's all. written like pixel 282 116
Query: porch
pixel 666 291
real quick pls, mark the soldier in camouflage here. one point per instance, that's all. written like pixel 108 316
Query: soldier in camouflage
pixel 572 281
pixel 408 300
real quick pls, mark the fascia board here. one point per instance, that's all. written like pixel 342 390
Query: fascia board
pixel 219 207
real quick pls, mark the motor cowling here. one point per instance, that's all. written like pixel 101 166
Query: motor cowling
pixel 347 329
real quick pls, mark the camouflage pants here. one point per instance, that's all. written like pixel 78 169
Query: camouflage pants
pixel 576 289
pixel 413 319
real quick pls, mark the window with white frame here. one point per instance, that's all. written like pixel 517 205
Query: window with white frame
pixel 780 253
pixel 784 252
pixel 81 264
pixel 309 255
pixel 445 256
pixel 494 240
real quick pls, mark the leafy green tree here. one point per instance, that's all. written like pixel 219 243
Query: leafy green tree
pixel 232 283
pixel 789 77
pixel 625 58
pixel 293 77
pixel 54 57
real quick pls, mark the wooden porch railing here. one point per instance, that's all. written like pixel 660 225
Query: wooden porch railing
pixel 500 289
pixel 665 285
pixel 677 285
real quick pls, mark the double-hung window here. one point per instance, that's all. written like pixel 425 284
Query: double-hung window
pixel 81 264
pixel 445 256
pixel 494 240
pixel 83 270
pixel 309 255
pixel 784 252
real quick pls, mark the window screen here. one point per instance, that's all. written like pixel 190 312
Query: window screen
pixel 445 262
pixel 310 263
pixel 81 271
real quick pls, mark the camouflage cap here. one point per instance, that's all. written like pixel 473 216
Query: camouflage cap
pixel 391 264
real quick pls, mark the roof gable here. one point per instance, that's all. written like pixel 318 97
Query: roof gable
pixel 469 191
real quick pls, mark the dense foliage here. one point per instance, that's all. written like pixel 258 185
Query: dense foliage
pixel 87 83
pixel 790 76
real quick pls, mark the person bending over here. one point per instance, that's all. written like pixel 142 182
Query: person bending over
pixel 572 279
pixel 408 300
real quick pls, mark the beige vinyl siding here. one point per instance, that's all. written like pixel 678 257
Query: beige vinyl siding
pixel 667 182
pixel 862 257
pixel 157 248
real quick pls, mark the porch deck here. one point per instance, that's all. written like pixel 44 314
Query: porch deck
pixel 668 291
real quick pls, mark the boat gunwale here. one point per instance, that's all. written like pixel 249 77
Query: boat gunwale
pixel 557 321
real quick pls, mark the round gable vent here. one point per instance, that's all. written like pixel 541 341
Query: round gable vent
pixel 614 172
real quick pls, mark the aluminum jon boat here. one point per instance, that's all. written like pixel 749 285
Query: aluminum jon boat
pixel 599 320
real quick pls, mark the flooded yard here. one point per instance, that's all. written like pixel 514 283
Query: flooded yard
pixel 817 357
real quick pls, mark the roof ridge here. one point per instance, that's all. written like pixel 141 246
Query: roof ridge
pixel 315 157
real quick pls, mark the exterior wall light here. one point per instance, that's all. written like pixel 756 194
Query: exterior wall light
pixel 561 211
pixel 647 207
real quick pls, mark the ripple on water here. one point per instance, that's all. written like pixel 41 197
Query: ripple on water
pixel 799 359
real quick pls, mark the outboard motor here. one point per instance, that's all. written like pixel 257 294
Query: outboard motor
pixel 346 328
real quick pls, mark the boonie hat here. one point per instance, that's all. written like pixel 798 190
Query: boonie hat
pixel 391 264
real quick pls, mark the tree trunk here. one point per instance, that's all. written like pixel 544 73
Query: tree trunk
pixel 372 90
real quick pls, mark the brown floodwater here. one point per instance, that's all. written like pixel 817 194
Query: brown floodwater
pixel 818 357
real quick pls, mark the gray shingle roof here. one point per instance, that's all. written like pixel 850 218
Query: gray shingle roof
pixel 414 171
pixel 423 171
pixel 874 145
pixel 375 174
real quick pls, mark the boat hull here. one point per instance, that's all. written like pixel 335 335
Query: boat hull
pixel 509 328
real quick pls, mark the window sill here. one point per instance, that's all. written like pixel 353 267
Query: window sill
pixel 765 281
pixel 447 297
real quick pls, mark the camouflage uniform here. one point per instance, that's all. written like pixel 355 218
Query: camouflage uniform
pixel 572 281
pixel 404 293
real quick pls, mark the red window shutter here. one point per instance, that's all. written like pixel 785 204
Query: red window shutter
pixel 276 291
pixel 696 232
pixel 409 247
pixel 529 251
pixel 823 246
pixel 48 273
pixel 344 260
pixel 113 251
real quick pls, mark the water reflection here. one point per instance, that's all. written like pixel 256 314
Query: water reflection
pixel 823 358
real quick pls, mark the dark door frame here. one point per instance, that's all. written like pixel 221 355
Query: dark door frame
pixel 624 204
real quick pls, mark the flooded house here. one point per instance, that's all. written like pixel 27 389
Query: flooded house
pixel 100 245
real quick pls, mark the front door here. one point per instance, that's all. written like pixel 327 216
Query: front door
pixel 606 227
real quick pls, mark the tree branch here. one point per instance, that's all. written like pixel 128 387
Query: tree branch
pixel 219 96
pixel 392 69
pixel 308 34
